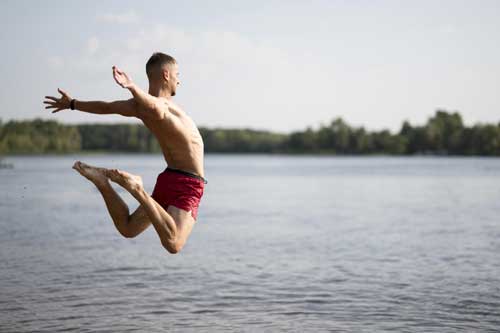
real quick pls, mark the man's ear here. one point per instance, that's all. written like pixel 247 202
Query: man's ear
pixel 166 74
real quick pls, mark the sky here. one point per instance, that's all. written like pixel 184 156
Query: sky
pixel 271 65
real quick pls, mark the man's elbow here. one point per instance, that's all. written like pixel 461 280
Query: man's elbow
pixel 111 107
pixel 106 108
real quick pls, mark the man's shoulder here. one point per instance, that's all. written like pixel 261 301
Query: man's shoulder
pixel 175 109
pixel 160 110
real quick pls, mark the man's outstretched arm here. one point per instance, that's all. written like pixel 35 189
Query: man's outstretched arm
pixel 147 102
pixel 125 108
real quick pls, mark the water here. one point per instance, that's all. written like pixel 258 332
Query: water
pixel 281 244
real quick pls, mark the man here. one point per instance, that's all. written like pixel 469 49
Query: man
pixel 173 206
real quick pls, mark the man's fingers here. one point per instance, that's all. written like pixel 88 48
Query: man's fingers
pixel 51 107
pixel 62 92
pixel 117 81
pixel 52 98
pixel 49 102
pixel 57 110
pixel 115 74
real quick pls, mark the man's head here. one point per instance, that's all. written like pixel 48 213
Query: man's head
pixel 162 70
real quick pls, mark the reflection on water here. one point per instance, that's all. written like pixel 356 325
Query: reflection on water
pixel 282 244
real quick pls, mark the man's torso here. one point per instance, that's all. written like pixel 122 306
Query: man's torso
pixel 179 138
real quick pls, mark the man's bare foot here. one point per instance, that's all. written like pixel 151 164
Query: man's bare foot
pixel 130 182
pixel 94 174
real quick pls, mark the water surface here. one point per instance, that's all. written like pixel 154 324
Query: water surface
pixel 282 243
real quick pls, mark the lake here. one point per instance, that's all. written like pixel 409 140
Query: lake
pixel 282 243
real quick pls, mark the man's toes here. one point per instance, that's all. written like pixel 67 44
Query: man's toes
pixel 84 165
pixel 78 166
pixel 79 170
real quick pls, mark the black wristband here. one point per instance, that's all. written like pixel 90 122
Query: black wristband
pixel 72 104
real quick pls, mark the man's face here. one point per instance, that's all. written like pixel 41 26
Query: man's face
pixel 174 78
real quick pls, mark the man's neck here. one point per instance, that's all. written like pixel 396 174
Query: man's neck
pixel 159 92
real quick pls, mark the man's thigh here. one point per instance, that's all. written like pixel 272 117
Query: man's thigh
pixel 184 221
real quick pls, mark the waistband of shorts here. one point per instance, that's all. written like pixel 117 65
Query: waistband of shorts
pixel 186 173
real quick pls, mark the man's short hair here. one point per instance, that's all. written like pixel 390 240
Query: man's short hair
pixel 156 62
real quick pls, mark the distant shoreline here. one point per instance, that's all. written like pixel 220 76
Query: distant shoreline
pixel 340 156
pixel 444 134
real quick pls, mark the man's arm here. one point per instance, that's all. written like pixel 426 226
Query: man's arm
pixel 125 108
pixel 153 105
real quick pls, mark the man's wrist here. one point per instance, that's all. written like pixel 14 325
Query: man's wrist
pixel 72 104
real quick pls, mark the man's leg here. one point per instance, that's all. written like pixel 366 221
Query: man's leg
pixel 173 233
pixel 127 225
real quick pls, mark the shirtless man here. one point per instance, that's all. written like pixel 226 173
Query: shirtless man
pixel 173 206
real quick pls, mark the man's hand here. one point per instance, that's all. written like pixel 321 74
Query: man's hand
pixel 122 78
pixel 58 104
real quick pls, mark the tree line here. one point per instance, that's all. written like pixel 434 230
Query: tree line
pixel 443 134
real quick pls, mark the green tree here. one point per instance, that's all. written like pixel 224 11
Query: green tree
pixel 444 132
pixel 301 142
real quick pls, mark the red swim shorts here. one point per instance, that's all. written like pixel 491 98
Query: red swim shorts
pixel 180 189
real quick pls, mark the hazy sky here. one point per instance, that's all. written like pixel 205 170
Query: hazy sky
pixel 278 65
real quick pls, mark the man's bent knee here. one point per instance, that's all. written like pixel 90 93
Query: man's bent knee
pixel 128 233
pixel 172 246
